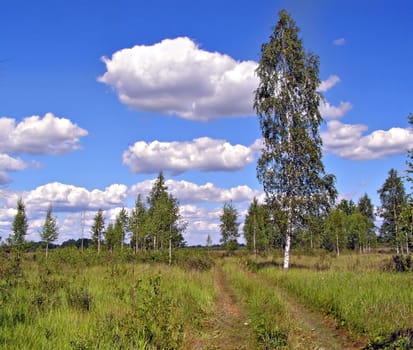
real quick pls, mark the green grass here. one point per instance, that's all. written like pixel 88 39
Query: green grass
pixel 266 313
pixel 354 291
pixel 78 304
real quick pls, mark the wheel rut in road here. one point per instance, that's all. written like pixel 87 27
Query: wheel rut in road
pixel 310 329
pixel 227 329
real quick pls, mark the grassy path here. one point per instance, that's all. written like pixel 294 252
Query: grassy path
pixel 310 329
pixel 226 329
pixel 313 331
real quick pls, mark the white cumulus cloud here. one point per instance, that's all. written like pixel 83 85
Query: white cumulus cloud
pixel 203 154
pixel 177 77
pixel 188 192
pixel 7 164
pixel 326 85
pixel 65 197
pixel 329 111
pixel 36 135
pixel 348 141
pixel 49 135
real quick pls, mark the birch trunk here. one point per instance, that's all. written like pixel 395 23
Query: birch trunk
pixel 288 239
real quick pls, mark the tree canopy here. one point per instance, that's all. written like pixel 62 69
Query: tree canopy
pixel 286 102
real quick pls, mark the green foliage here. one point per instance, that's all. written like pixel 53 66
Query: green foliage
pixel 229 227
pixel 49 231
pixel 392 197
pixel 402 263
pixel 193 260
pixel 400 340
pixel 137 224
pixel 97 229
pixel 19 225
pixel 163 220
pixel 79 298
pixel 258 227
pixel 286 101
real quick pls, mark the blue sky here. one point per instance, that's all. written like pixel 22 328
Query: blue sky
pixel 97 96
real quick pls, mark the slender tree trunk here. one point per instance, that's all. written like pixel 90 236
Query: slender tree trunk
pixel 47 248
pixel 311 239
pixel 254 238
pixel 337 246
pixel 288 238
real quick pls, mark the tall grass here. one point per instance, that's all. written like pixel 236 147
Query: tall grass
pixel 375 304
pixel 73 302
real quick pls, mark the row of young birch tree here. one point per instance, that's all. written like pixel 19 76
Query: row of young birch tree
pixel 157 225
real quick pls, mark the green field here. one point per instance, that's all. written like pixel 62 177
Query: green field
pixel 202 301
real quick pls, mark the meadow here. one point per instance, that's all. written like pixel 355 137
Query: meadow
pixel 204 300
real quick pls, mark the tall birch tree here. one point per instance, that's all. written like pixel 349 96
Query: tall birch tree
pixel 286 102
pixel 409 161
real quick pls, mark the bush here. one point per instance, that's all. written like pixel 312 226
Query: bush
pixel 79 298
pixel 402 263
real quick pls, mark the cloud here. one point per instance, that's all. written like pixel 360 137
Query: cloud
pixel 69 198
pixel 35 135
pixel 203 154
pixel 347 141
pixel 189 192
pixel 334 112
pixel 339 42
pixel 326 85
pixel 7 164
pixel 176 77
pixel 49 135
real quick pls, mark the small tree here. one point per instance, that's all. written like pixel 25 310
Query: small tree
pixel 209 241
pixel 335 230
pixel 122 220
pixel 137 224
pixel 229 227
pixel 163 217
pixel 393 198
pixel 20 225
pixel 110 237
pixel 49 232
pixel 97 229
pixel 365 207
pixel 256 227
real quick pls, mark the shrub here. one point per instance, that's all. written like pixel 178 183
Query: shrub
pixel 402 263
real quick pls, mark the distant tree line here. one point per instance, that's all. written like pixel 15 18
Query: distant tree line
pixel 155 226
pixel 346 225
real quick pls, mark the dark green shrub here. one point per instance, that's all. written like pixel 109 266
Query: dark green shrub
pixel 79 298
pixel 402 263
pixel 400 340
